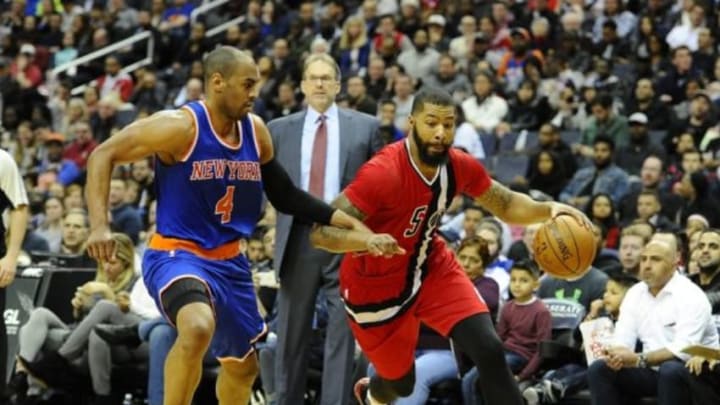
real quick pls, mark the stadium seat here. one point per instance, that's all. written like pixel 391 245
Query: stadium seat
pixel 508 166
pixel 570 137
pixel 562 349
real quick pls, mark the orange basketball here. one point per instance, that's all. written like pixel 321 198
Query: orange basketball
pixel 564 248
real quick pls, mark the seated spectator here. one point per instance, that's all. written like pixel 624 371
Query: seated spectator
pixel 55 168
pixel 631 156
pixel 527 110
pixel 569 379
pixel 601 210
pixel 645 101
pixel 125 218
pixel 510 69
pixel 652 177
pixel 649 209
pixel 447 77
pixel 523 248
pixel 708 279
pixel 115 81
pixel 149 95
pixel 192 91
pixel 523 323
pixel 695 191
pixel 74 198
pixel 386 114
pixel 94 302
pixel 547 175
pixel 142 173
pixel 419 61
pixel 359 99
pixel 485 109
pixel 474 256
pixel 498 266
pixel 632 240
pixel 583 290
pixel 354 47
pixel 604 121
pixel 105 121
pixel 667 313
pixel 51 227
pixel 81 146
pixel 24 69
pixel 603 176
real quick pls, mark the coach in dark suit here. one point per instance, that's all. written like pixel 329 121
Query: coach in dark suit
pixel 322 148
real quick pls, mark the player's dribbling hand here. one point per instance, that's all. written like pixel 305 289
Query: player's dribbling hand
pixel 382 244
pixel 564 209
pixel 101 245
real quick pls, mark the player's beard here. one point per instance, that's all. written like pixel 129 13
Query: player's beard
pixel 423 150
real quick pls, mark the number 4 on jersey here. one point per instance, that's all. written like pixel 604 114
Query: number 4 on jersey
pixel 224 205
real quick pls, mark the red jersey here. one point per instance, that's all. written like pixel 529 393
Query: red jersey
pixel 398 200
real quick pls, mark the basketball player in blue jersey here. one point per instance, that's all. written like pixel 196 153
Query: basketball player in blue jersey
pixel 214 160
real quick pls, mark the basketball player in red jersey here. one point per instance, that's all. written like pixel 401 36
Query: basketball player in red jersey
pixel 404 191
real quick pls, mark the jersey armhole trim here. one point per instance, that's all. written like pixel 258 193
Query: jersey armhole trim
pixel 196 135
pixel 254 134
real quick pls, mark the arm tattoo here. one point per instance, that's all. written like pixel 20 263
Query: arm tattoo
pixel 497 199
pixel 342 203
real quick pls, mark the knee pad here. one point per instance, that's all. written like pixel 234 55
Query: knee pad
pixel 182 292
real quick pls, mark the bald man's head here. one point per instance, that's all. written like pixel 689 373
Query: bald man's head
pixel 224 60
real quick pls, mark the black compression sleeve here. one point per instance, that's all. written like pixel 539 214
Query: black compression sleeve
pixel 288 199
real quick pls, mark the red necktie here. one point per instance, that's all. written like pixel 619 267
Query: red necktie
pixel 319 156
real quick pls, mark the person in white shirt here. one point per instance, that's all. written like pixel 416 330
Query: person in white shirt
pixel 665 313
pixel 484 109
pixel 687 35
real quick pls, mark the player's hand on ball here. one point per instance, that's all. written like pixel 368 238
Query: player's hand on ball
pixel 382 244
pixel 564 209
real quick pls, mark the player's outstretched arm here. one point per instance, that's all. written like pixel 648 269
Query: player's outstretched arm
pixel 167 134
pixel 338 240
pixel 518 208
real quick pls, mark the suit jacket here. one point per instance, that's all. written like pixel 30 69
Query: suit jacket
pixel 359 140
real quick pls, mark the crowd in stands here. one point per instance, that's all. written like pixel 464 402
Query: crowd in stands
pixel 607 105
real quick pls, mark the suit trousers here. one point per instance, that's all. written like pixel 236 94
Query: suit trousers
pixel 307 270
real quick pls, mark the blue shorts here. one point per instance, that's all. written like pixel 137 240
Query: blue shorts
pixel 238 323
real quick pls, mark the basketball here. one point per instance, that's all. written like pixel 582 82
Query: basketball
pixel 564 248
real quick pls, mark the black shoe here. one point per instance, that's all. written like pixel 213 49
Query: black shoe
pixel 18 386
pixel 51 371
pixel 119 334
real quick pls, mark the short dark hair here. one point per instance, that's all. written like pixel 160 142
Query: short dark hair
pixel 527 266
pixel 625 279
pixel 604 100
pixel 651 193
pixel 431 95
pixel 602 138
pixel 480 245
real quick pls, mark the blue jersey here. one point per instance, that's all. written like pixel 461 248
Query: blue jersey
pixel 214 195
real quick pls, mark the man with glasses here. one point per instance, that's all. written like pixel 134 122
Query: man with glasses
pixel 322 148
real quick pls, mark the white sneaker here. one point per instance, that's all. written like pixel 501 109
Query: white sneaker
pixel 533 395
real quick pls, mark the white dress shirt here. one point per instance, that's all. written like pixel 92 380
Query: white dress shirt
pixel 332 161
pixel 679 316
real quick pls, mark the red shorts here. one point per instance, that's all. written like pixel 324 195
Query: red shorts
pixel 446 297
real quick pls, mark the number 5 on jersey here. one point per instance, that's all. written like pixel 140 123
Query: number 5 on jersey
pixel 224 205
pixel 418 216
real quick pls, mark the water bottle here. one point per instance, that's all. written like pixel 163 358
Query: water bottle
pixel 128 399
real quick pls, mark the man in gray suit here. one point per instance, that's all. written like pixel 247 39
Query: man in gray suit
pixel 322 148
